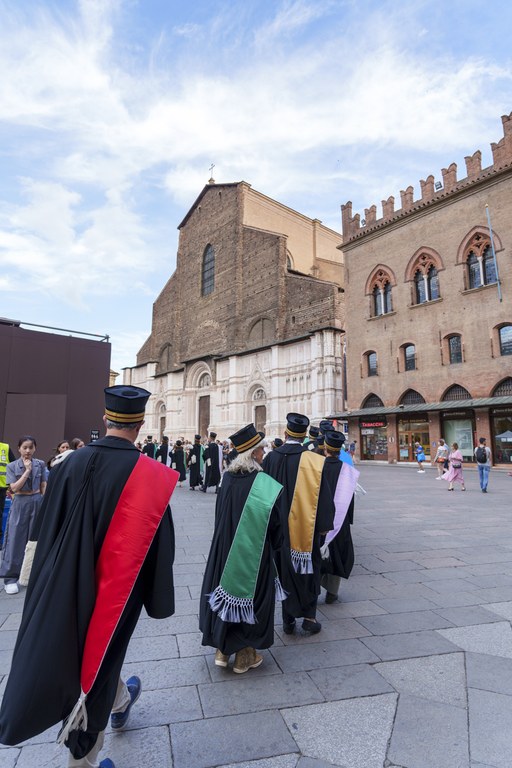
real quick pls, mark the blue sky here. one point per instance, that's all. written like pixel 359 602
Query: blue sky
pixel 112 111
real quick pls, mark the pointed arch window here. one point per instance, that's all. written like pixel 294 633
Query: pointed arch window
pixel 208 271
pixel 479 259
pixel 433 283
pixel 503 389
pixel 379 288
pixel 456 392
pixel 372 401
pixel 411 397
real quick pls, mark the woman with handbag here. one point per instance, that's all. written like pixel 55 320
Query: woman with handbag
pixel 454 473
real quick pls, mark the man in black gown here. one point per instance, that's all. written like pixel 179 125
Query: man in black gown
pixel 105 549
pixel 306 509
pixel 239 587
pixel 212 464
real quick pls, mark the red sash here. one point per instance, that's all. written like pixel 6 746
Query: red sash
pixel 132 529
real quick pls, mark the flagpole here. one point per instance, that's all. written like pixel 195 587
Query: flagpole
pixel 493 252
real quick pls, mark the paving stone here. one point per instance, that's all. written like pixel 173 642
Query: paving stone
pixel 439 678
pixel 204 743
pixel 165 706
pixel 168 672
pixel 403 622
pixel 408 645
pixel 490 727
pixel 309 762
pixel 453 599
pixel 5 661
pixel 186 607
pixel 349 682
pixel 490 673
pixel 464 616
pixel 9 757
pixel 250 693
pixel 355 609
pixel 332 629
pixel 331 654
pixel 8 638
pixel 354 733
pixel 494 639
pixel 404 604
pixel 283 761
pixel 502 609
pixel 189 644
pixel 429 733
pixel 152 648
pixel 173 626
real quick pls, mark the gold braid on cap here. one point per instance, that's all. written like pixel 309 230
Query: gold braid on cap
pixel 296 434
pixel 124 418
pixel 249 443
pixel 334 447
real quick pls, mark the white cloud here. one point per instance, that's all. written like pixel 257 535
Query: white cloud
pixel 315 104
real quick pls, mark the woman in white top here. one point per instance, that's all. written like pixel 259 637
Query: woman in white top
pixel 441 457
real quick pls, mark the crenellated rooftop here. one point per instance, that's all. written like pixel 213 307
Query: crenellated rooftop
pixel 354 227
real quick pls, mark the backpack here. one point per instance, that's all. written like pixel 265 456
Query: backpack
pixel 481 455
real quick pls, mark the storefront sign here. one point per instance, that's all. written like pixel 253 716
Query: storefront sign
pixel 374 423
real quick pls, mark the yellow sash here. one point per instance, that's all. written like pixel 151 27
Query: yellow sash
pixel 302 516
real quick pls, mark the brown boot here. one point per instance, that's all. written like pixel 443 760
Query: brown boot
pixel 221 660
pixel 245 660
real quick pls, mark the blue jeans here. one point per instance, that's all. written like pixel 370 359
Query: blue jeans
pixel 483 474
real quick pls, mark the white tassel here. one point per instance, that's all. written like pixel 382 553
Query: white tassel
pixel 324 551
pixel 230 608
pixel 77 720
pixel 281 594
pixel 301 562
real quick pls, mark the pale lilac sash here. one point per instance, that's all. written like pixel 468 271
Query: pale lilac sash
pixel 345 489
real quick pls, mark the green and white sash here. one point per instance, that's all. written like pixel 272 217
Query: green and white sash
pixel 233 598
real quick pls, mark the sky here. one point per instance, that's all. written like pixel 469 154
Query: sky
pixel 113 111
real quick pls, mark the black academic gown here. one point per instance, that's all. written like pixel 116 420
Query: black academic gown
pixel 178 462
pixel 226 636
pixel 303 589
pixel 341 548
pixel 44 683
pixel 214 470
pixel 195 468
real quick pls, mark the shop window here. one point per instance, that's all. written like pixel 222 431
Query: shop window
pixel 371 363
pixel 456 392
pixel 208 272
pixel 372 401
pixel 501 422
pixel 505 333
pixel 455 349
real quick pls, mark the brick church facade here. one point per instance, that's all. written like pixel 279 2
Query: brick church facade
pixel 249 326
pixel 428 318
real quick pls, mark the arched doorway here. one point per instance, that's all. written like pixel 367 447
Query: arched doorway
pixel 260 409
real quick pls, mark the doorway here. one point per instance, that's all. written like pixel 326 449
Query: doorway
pixel 260 417
pixel 204 415
pixel 409 433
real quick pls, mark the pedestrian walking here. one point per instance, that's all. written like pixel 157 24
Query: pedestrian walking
pixel 454 473
pixel 105 549
pixel 420 456
pixel 483 462
pixel 441 458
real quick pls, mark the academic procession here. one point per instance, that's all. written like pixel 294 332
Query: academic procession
pixel 100 549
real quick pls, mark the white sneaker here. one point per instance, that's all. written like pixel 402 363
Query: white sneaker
pixel 438 478
pixel 11 589
pixel 421 470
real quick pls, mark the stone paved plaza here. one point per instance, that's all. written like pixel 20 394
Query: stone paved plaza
pixel 413 669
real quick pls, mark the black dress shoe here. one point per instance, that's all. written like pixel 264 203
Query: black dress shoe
pixel 288 629
pixel 331 598
pixel 311 626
